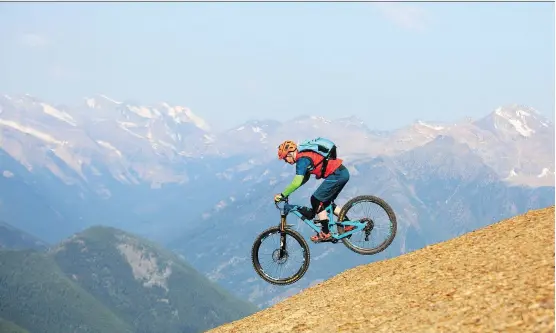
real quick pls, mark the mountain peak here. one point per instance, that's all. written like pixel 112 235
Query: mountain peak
pixel 352 121
pixel 183 114
pixel 311 118
pixel 430 125
pixel 99 101
pixel 99 273
pixel 514 119
pixel 178 114
pixel 109 99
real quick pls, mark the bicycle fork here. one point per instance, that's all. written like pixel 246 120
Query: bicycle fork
pixel 282 236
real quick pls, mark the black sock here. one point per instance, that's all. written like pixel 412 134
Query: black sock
pixel 324 226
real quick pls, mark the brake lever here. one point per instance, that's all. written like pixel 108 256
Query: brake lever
pixel 285 200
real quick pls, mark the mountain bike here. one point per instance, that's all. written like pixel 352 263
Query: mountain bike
pixel 281 255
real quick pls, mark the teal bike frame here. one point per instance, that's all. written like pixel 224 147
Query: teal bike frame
pixel 294 209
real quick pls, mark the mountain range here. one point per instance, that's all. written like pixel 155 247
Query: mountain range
pixel 162 172
pixel 106 280
pixel 17 239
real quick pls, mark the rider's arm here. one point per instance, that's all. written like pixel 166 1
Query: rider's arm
pixel 294 185
pixel 301 177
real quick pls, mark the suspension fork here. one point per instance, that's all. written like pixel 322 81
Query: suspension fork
pixel 282 235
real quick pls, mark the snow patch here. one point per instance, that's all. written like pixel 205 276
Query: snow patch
pixel 209 138
pixel 520 125
pixel 110 99
pixel 63 116
pixel 145 266
pixel 321 119
pixel 216 274
pixel 544 173
pixel 125 125
pixel 91 102
pixel 180 113
pixel 109 146
pixel 166 144
pixel 512 173
pixel 434 127
pixel 198 121
pixel 259 130
pixel 241 128
pixel 31 131
pixel 220 205
pixel 7 174
pixel 521 128
pixel 141 111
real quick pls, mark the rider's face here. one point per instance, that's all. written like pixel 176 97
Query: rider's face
pixel 289 158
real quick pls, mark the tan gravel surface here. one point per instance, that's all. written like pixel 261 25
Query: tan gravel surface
pixel 496 279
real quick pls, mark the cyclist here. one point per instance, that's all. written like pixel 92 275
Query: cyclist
pixel 336 175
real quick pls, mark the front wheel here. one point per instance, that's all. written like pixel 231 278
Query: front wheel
pixel 373 226
pixel 282 256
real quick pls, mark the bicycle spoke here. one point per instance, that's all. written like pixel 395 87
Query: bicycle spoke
pixel 276 268
pixel 378 230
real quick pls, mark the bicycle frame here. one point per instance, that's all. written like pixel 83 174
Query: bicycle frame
pixel 293 209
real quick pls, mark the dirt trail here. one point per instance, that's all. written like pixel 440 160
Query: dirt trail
pixel 496 279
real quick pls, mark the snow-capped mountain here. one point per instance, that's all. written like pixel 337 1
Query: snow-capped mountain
pixel 161 171
pixel 142 144
pixel 515 121
pixel 135 143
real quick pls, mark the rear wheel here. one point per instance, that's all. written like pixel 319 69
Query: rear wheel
pixel 267 249
pixel 384 220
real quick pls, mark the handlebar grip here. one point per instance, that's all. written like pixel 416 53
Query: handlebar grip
pixel 285 200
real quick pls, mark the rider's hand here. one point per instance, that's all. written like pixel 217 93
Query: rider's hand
pixel 278 197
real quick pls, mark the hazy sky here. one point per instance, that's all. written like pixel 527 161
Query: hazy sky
pixel 388 64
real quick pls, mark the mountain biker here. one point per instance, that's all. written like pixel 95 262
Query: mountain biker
pixel 336 175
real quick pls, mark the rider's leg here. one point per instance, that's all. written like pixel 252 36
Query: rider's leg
pixel 342 174
pixel 327 192
pixel 319 207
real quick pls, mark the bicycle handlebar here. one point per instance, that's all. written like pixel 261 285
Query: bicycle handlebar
pixel 285 200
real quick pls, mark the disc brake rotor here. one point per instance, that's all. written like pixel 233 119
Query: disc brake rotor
pixel 276 256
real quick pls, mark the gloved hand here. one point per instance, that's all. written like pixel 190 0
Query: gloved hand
pixel 278 197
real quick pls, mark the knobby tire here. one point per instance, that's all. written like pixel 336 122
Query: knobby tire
pixel 391 216
pixel 255 258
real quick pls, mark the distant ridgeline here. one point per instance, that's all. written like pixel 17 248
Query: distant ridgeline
pixel 106 280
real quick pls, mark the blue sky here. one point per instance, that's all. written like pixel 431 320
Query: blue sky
pixel 387 63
